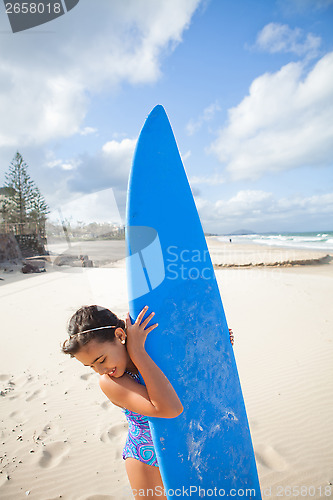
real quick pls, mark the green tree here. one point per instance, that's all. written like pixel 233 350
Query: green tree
pixel 38 211
pixel 6 204
pixel 27 203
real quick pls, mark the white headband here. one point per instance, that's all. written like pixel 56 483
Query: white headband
pixel 93 330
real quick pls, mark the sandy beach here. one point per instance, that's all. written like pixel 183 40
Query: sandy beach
pixel 60 436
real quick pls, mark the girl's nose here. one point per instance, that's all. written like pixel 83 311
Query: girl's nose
pixel 103 372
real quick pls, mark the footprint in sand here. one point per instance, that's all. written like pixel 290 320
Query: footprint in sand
pixel 29 378
pixel 86 376
pixel 114 432
pixel 52 454
pixel 106 405
pixel 13 397
pixel 270 458
pixel 18 417
pixel 3 479
pixel 34 395
pixel 4 434
pixel 8 387
pixel 19 380
pixel 47 430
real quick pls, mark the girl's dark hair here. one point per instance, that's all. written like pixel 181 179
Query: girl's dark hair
pixel 86 318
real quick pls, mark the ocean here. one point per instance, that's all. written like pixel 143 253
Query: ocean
pixel 314 240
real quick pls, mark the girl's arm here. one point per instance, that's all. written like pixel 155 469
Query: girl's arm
pixel 158 398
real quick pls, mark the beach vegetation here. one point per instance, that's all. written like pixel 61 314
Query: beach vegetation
pixel 81 231
pixel 23 207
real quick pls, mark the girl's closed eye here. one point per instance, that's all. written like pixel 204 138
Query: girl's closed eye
pixel 100 362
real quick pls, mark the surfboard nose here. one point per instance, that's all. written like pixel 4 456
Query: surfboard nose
pixel 158 110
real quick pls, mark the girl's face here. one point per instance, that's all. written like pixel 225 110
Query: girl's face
pixel 106 357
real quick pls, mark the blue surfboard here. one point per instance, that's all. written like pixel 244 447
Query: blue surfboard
pixel 169 269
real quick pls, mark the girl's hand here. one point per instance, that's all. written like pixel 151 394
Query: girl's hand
pixel 231 336
pixel 137 333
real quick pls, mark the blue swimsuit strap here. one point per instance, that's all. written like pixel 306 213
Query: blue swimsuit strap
pixel 133 375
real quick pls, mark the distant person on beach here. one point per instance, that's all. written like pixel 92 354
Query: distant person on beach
pixel 115 349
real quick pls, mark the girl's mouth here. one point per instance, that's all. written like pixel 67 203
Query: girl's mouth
pixel 112 372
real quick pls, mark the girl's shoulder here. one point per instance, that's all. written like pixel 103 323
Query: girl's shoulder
pixel 114 388
pixel 119 390
pixel 127 393
pixel 111 389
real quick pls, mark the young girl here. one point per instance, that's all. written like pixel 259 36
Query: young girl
pixel 116 350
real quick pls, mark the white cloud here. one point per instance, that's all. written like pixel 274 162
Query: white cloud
pixel 211 180
pixel 285 122
pixel 38 106
pixel 245 202
pixel 91 187
pixel 120 150
pixel 47 76
pixel 275 37
pixel 85 174
pixel 53 162
pixel 193 126
pixel 311 205
pixel 100 206
pixel 262 211
pixel 185 156
pixel 88 131
pixel 68 166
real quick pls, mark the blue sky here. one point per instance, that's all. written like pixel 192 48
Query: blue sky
pixel 247 86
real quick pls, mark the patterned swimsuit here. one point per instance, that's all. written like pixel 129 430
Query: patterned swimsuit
pixel 139 443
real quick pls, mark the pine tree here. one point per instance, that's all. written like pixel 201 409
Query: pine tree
pixel 38 211
pixel 6 204
pixel 27 204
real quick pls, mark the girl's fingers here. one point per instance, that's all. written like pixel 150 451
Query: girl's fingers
pixel 146 321
pixel 150 328
pixel 141 315
pixel 128 320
